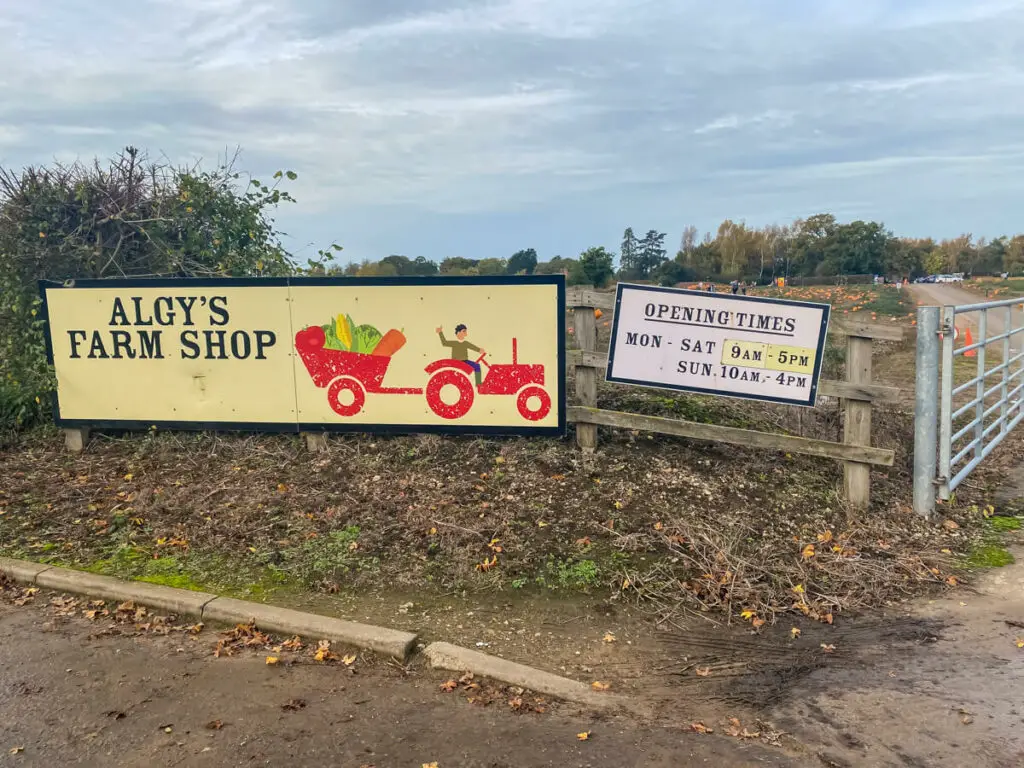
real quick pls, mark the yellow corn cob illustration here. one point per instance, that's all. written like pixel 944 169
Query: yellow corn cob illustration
pixel 343 331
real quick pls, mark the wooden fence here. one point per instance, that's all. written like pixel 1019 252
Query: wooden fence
pixel 857 392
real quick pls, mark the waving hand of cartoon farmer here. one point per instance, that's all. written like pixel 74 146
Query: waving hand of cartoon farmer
pixel 461 348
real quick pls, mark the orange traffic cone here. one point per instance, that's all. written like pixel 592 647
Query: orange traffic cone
pixel 968 341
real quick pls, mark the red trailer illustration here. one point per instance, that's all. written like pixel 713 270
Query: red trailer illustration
pixel 345 372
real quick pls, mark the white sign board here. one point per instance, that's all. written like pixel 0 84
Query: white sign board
pixel 718 343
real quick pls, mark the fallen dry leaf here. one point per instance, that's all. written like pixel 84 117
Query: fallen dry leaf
pixel 827 648
pixel 294 705
pixel 950 525
pixel 449 685
pixel 215 725
pixel 703 671
pixel 807 552
pixel 608 637
pixel 795 632
pixel 487 564
pixel 757 623
pixel 272 660
pixel 16 750
pixel 323 652
pixel 349 660
pixel 584 736
pixel 700 728
pixel 597 685
pixel 737 730
pixel 430 765
pixel 1020 642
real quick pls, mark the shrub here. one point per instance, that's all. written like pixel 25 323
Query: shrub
pixel 128 218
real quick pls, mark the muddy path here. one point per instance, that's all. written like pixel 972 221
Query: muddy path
pixel 941 685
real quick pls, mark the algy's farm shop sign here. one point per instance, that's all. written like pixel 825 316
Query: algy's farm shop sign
pixel 718 344
pixel 437 354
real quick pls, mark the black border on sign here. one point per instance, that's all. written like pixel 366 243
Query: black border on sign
pixel 813 394
pixel 256 426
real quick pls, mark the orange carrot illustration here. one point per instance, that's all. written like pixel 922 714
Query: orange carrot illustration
pixel 391 342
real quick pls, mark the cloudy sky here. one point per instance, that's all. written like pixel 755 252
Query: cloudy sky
pixel 478 127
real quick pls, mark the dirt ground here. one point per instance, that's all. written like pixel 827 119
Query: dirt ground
pixel 945 695
pixel 75 692
pixel 935 683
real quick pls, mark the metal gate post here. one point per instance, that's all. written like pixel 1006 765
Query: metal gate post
pixel 926 409
pixel 945 472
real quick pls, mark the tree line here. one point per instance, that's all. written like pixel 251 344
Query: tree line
pixel 818 247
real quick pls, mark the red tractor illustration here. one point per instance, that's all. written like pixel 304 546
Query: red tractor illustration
pixel 350 376
pixel 524 381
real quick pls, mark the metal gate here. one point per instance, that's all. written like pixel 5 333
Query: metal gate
pixel 970 377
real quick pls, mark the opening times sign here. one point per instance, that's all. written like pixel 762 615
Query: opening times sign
pixel 718 344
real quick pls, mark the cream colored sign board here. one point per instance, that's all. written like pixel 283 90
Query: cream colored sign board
pixel 718 344
pixel 376 354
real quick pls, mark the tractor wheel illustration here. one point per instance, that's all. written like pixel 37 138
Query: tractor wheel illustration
pixel 339 402
pixel 534 403
pixel 461 382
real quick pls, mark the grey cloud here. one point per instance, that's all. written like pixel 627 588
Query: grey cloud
pixel 482 109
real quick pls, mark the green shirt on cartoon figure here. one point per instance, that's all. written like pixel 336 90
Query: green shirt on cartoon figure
pixel 461 348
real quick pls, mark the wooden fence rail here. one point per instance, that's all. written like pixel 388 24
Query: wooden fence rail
pixel 858 393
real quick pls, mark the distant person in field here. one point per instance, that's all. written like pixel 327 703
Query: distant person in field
pixel 461 349
pixel 735 287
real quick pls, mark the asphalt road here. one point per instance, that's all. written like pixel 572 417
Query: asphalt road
pixel 76 692
pixel 944 294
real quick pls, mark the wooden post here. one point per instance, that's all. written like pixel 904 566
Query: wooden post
pixel 316 442
pixel 857 423
pixel 75 439
pixel 585 327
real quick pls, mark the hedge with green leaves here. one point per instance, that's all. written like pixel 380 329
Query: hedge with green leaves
pixel 129 217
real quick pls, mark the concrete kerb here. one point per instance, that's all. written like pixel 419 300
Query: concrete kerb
pixel 457 659
pixel 210 607
pixel 22 570
pixel 391 642
pixel 182 602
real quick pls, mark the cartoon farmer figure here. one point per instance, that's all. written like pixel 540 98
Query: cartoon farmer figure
pixel 461 349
